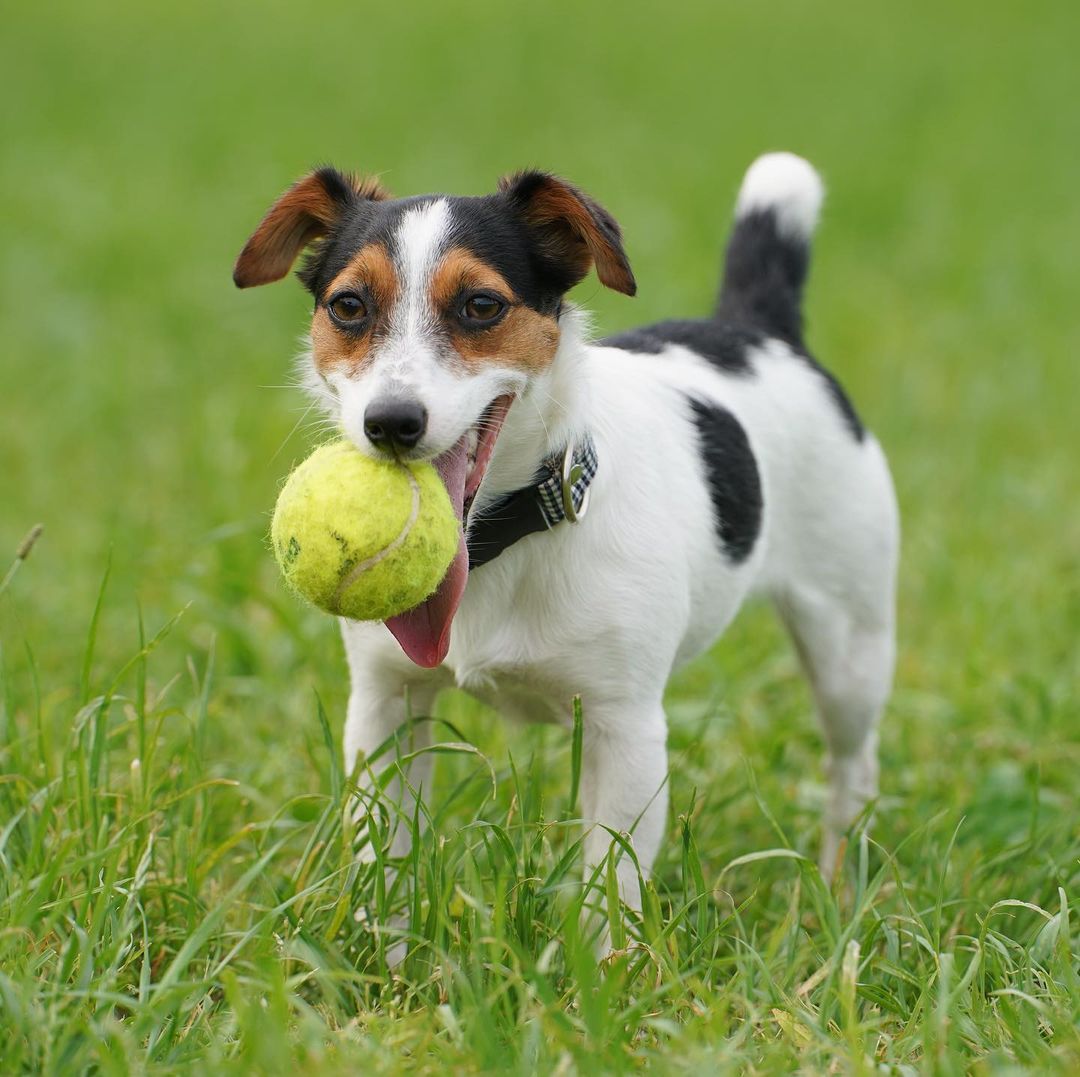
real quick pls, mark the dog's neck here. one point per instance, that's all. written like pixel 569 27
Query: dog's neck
pixel 548 414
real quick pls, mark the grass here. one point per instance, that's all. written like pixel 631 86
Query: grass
pixel 177 886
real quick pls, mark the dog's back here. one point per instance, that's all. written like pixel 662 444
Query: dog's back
pixel 770 482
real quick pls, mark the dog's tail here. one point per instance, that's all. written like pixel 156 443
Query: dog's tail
pixel 768 255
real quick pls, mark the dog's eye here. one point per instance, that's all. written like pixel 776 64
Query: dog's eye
pixel 482 309
pixel 347 307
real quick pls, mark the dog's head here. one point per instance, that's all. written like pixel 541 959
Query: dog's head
pixel 431 315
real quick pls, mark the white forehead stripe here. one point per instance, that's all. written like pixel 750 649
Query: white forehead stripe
pixel 421 238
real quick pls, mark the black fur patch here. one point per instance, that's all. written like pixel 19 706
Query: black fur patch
pixel 764 274
pixel 361 223
pixel 491 229
pixel 723 344
pixel 732 474
pixel 726 346
pixel 486 226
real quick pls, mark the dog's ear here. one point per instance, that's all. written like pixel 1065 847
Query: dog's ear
pixel 571 231
pixel 306 211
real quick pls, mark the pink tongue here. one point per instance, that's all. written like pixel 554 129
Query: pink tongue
pixel 424 632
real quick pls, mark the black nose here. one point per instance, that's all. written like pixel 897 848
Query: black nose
pixel 395 424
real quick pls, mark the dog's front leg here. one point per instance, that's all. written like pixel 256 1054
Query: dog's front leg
pixel 384 695
pixel 624 787
pixel 380 702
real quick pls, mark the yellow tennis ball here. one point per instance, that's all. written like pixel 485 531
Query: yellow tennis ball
pixel 363 538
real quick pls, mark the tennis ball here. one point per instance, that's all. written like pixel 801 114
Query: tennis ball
pixel 363 538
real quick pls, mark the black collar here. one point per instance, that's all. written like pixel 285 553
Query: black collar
pixel 559 491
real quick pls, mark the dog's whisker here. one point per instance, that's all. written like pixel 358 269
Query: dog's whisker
pixel 543 421
pixel 296 426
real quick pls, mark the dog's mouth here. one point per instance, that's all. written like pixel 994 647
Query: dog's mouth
pixel 424 632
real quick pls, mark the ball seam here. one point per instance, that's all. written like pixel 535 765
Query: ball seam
pixel 370 562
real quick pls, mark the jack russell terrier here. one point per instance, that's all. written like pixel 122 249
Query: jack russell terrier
pixel 619 498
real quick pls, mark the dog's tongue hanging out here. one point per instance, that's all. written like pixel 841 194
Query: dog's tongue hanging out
pixel 424 632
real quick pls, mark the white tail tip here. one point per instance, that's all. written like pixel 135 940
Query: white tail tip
pixel 789 186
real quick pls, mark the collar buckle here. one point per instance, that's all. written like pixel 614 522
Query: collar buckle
pixel 572 473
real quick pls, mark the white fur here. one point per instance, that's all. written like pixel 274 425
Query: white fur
pixel 789 186
pixel 421 237
pixel 609 607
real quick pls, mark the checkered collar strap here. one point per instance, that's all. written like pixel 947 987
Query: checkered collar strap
pixel 564 492
pixel 559 492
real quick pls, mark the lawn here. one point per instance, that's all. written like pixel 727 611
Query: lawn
pixel 177 887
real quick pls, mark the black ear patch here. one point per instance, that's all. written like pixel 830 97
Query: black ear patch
pixel 307 211
pixel 572 233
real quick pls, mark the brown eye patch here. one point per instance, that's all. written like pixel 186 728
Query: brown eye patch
pixel 485 320
pixel 371 278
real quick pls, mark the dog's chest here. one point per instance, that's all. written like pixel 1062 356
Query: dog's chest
pixel 535 688
pixel 525 635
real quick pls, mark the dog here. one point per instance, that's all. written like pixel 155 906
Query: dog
pixel 619 498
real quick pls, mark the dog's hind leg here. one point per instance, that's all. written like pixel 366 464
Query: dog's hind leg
pixel 848 658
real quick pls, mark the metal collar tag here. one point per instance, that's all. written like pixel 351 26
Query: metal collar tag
pixel 571 474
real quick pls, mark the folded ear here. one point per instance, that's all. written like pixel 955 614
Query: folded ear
pixel 572 231
pixel 307 210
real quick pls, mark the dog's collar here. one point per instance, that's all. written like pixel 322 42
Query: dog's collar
pixel 559 491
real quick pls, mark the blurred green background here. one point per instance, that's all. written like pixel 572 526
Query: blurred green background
pixel 148 412
pixel 147 404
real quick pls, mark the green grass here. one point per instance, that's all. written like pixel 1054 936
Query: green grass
pixel 177 888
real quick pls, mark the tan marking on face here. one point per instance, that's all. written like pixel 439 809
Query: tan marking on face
pixel 523 338
pixel 370 273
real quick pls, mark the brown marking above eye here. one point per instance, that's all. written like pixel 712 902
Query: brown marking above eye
pixel 370 275
pixel 517 336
